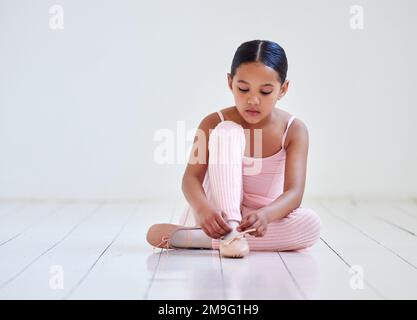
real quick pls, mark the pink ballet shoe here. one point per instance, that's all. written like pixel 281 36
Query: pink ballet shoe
pixel 159 235
pixel 236 247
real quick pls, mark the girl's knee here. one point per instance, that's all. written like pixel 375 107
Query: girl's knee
pixel 300 231
pixel 311 224
pixel 308 216
pixel 227 136
pixel 228 125
pixel 313 218
pixel 228 129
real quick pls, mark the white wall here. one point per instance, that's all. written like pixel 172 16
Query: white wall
pixel 79 107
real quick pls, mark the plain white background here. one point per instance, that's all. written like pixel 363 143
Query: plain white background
pixel 80 106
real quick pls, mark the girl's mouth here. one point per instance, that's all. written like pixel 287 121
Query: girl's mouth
pixel 252 113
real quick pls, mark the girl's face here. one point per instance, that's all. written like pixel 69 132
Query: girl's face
pixel 256 88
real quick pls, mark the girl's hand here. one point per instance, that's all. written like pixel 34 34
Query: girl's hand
pixel 213 223
pixel 256 219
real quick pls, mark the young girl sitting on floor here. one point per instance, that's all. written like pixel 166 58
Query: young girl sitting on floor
pixel 245 190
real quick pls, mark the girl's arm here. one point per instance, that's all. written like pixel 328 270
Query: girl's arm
pixel 295 173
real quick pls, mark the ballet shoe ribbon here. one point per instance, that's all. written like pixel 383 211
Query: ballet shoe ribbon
pixel 239 236
pixel 164 244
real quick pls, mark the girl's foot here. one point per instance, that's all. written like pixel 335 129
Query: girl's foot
pixel 171 236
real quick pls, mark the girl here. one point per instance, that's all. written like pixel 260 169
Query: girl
pixel 245 190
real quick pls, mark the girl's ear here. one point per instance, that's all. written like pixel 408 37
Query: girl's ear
pixel 229 81
pixel 284 88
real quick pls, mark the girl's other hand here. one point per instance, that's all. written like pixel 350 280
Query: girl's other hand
pixel 256 219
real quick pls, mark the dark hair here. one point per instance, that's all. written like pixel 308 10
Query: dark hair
pixel 268 52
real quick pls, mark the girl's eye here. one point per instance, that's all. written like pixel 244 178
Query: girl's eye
pixel 264 93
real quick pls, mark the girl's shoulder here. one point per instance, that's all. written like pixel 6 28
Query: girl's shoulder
pixel 229 113
pixel 213 119
pixel 297 129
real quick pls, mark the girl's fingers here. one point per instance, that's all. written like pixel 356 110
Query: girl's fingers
pixel 215 233
pixel 223 226
pixel 261 231
pixel 217 228
pixel 210 231
pixel 247 222
pixel 256 225
pixel 241 225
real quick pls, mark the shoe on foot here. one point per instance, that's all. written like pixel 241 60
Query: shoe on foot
pixel 235 247
pixel 160 235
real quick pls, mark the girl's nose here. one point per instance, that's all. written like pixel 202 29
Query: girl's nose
pixel 253 101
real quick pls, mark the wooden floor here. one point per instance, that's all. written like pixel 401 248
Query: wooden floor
pixel 48 250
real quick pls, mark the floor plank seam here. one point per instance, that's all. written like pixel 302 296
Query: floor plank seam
pixel 301 291
pixel 336 253
pixel 222 275
pixel 148 289
pixel 10 239
pixel 396 226
pixel 404 211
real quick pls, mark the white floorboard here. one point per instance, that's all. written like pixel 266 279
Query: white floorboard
pixel 125 271
pixel 261 275
pixel 367 250
pixel 30 257
pixel 10 208
pixel 366 244
pixel 21 220
pixel 321 274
